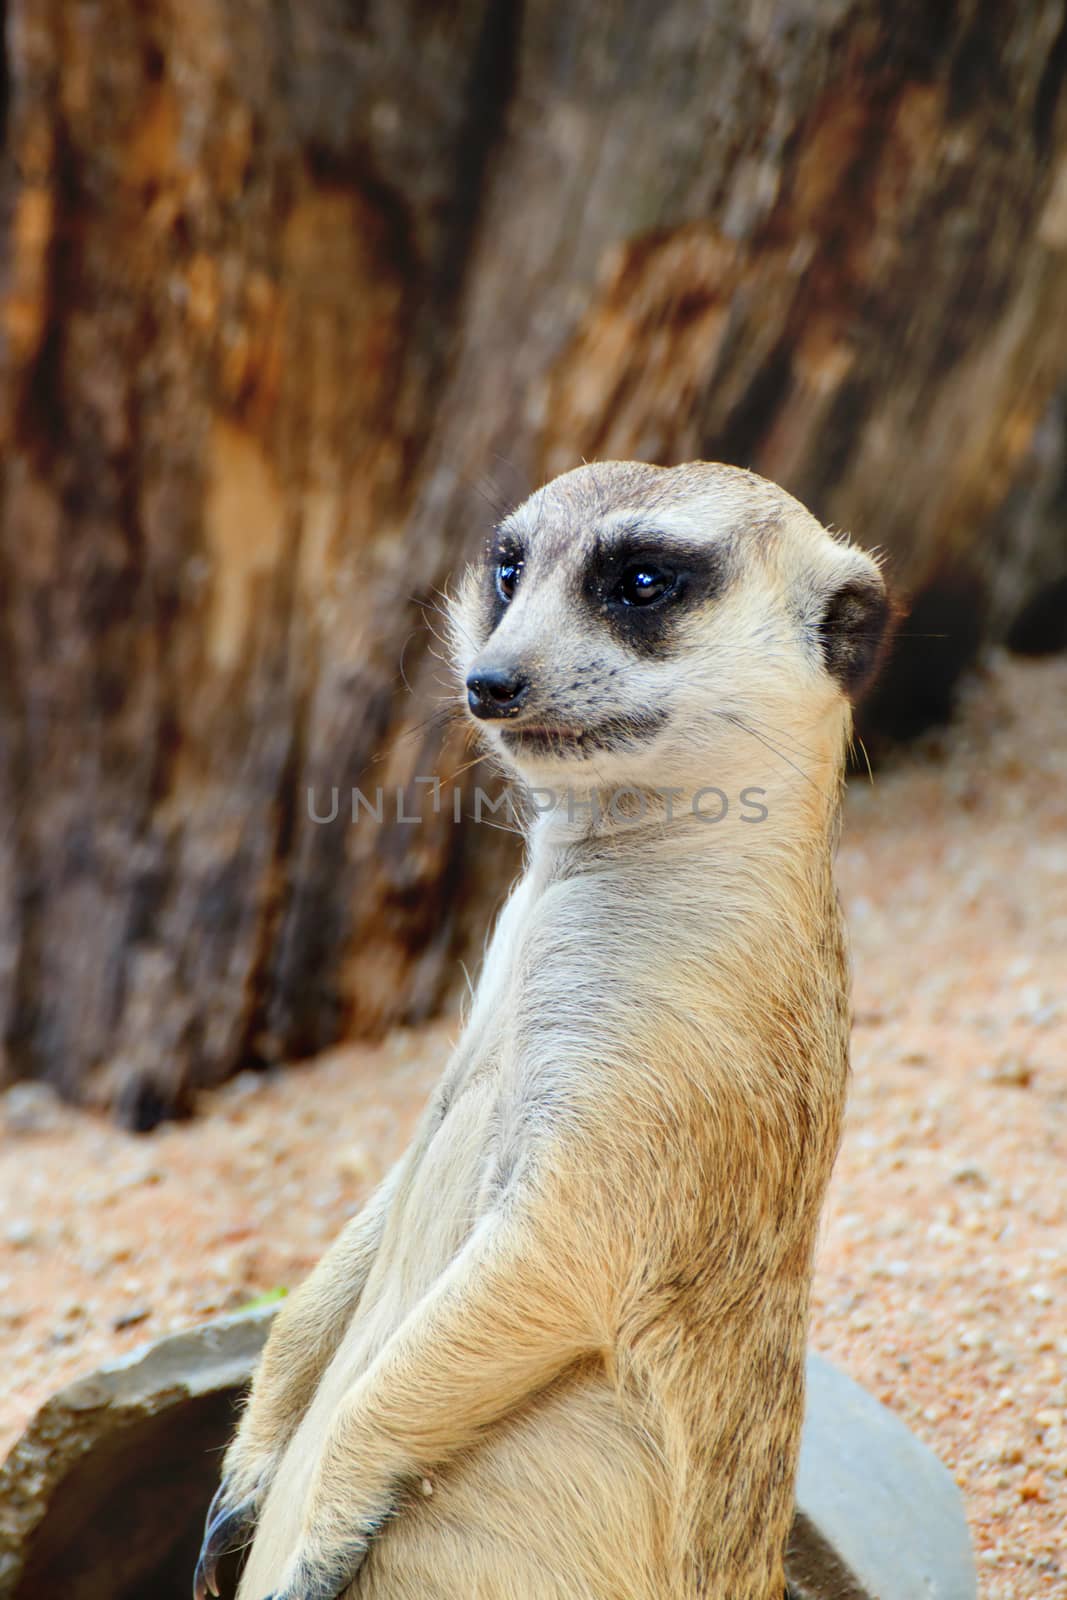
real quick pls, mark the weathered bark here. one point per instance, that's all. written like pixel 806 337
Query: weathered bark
pixel 290 291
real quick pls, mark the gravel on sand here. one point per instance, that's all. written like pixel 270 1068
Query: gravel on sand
pixel 942 1273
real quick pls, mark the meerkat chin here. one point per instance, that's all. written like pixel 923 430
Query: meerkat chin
pixel 560 1353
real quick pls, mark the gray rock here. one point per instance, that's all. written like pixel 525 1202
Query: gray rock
pixel 878 1516
pixel 104 1496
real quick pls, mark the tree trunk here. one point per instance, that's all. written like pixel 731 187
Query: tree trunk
pixel 294 295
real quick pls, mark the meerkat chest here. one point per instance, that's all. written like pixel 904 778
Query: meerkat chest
pixel 560 1004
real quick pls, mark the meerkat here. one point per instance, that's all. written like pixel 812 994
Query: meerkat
pixel 560 1353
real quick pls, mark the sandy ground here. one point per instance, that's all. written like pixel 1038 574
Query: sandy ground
pixel 942 1277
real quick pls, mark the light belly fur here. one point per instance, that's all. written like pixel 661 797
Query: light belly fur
pixel 539 1507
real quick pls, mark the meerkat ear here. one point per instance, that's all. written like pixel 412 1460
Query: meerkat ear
pixel 854 629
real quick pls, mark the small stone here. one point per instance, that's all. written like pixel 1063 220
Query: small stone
pixel 130 1319
pixel 356 1165
pixel 135 1180
pixel 1032 1487
pixel 1010 1073
pixel 244 1084
pixel 971 1175
pixel 32 1108
pixel 20 1233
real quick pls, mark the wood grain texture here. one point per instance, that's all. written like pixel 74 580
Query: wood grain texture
pixel 292 297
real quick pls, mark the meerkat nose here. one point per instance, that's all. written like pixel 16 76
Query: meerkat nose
pixel 496 692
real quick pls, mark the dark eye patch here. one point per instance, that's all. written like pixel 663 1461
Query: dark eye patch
pixel 678 575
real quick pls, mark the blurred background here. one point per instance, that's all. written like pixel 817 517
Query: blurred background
pixel 296 299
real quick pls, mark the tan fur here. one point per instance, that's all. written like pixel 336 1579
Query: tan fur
pixel 561 1351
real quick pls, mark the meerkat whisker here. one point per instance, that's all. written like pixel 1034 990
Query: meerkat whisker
pixel 768 744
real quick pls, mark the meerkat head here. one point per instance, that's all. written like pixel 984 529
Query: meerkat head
pixel 634 625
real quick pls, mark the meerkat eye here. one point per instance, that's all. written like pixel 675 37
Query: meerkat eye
pixel 642 584
pixel 508 573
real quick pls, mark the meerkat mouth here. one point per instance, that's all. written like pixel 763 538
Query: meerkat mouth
pixel 543 738
pixel 615 734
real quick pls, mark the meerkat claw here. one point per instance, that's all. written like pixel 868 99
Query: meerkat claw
pixel 223 1534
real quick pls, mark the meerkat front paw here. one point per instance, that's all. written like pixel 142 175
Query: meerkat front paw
pixel 325 1573
pixel 307 1580
pixel 336 1539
